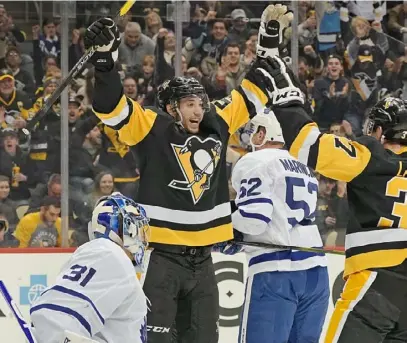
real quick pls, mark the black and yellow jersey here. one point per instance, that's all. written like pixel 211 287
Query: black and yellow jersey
pixel 377 188
pixel 183 177
pixel 117 156
pixel 18 102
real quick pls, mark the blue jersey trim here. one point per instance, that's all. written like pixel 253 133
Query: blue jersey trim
pixel 255 216
pixel 283 255
pixel 76 294
pixel 255 201
pixel 65 310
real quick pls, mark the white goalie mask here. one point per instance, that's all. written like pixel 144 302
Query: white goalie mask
pixel 265 127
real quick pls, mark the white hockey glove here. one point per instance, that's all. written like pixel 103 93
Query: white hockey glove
pixel 280 83
pixel 104 35
pixel 274 20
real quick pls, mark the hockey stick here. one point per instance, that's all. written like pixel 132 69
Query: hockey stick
pixel 289 247
pixel 16 311
pixel 72 74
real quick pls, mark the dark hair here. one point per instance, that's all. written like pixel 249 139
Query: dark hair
pixel 51 201
pixel 303 60
pixel 230 45
pixel 339 58
pixel 128 77
pixel 253 33
pixel 48 21
pixel 98 178
pixel 4 178
pixel 218 20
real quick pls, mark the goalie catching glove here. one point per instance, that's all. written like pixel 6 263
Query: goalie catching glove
pixel 274 21
pixel 104 35
pixel 280 83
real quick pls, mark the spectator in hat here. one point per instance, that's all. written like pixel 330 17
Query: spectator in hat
pixel 49 87
pixel 23 79
pixel 16 103
pixel 239 32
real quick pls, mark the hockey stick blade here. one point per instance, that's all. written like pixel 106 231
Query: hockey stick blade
pixel 290 247
pixel 72 74
pixel 16 311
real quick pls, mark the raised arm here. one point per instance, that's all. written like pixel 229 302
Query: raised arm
pixel 336 157
pixel 110 105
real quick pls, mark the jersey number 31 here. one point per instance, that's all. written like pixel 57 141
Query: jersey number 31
pixel 80 273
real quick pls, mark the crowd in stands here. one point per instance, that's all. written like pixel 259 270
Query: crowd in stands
pixel 351 54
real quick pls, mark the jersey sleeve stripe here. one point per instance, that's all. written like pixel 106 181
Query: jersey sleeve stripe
pixel 117 115
pixel 255 216
pixel 254 94
pixel 255 201
pixel 301 146
pixel 76 294
pixel 65 310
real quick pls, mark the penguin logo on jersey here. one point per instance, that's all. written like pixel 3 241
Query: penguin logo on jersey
pixel 198 160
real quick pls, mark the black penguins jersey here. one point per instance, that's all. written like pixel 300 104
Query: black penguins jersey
pixel 183 177
pixel 377 188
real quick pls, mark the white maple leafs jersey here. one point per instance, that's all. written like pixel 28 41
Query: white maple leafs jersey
pixel 276 199
pixel 96 295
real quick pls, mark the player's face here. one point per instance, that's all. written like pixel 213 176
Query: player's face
pixel 4 189
pixel 192 112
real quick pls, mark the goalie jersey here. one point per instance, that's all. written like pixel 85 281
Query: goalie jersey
pixel 97 295
pixel 276 200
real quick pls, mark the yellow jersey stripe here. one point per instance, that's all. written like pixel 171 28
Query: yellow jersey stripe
pixel 191 238
pixel 355 288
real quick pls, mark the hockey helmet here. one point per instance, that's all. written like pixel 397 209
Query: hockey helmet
pixel 124 222
pixel 172 91
pixel 391 115
pixel 267 123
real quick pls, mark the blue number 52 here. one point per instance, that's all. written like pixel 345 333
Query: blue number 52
pixel 312 187
pixel 248 187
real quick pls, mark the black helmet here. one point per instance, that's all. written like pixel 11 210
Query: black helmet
pixel 171 91
pixel 391 115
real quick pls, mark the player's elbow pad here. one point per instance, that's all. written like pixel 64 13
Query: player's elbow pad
pixel 248 226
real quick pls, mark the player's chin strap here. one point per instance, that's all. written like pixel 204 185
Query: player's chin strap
pixel 290 247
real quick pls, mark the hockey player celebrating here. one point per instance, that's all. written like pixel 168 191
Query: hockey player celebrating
pixel 97 296
pixel 183 186
pixel 276 200
pixel 373 305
